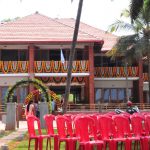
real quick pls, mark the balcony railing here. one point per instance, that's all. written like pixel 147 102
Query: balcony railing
pixel 105 72
pixel 78 67
pixel 104 107
pixel 43 66
pixel 59 67
pixel 14 66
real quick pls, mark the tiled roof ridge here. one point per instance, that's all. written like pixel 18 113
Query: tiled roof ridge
pixel 56 20
pixel 100 30
pixel 115 36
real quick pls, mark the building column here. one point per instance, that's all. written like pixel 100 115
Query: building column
pixel 141 81
pixel 31 64
pixel 91 76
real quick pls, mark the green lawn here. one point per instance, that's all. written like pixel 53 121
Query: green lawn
pixel 23 145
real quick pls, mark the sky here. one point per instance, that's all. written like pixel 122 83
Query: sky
pixel 97 13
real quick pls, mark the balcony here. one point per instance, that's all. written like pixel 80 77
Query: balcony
pixel 55 67
pixel 109 72
pixel 43 67
pixel 118 72
pixel 59 67
pixel 14 67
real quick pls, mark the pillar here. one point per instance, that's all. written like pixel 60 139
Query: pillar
pixel 91 76
pixel 141 81
pixel 11 116
pixel 31 65
pixel 43 111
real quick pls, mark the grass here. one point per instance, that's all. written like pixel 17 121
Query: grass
pixel 23 145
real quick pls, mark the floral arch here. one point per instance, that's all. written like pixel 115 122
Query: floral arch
pixel 37 92
pixel 38 84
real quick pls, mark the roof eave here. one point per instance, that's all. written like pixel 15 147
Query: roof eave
pixel 49 42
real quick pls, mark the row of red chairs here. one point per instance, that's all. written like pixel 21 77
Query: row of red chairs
pixel 93 130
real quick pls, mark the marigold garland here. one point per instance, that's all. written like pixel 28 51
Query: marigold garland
pixel 64 66
pixel 48 66
pixel 31 95
pixel 5 66
pixel 116 71
pixel 23 66
pixel 38 65
pixel 14 67
pixel 57 66
pixel 83 65
pixel 37 83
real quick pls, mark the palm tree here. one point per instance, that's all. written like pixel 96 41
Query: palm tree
pixel 71 56
pixel 138 8
pixel 136 45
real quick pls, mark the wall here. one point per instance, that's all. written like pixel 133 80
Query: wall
pixel 112 84
pixel 9 81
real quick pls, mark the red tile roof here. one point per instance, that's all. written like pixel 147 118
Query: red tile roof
pixel 108 38
pixel 40 28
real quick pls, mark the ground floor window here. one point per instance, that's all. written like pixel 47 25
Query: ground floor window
pixel 111 95
pixel 19 95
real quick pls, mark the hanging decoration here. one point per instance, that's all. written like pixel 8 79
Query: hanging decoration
pixel 38 65
pixel 58 80
pixel 145 76
pixel 48 66
pixel 31 95
pixel 5 66
pixel 116 71
pixel 23 66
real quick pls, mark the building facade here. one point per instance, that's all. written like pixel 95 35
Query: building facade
pixel 36 46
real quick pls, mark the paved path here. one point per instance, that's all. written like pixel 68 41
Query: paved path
pixel 16 134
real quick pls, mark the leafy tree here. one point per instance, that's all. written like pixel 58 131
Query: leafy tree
pixel 9 19
pixel 136 45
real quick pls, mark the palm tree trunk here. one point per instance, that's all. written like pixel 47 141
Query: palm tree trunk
pixel 149 75
pixel 127 89
pixel 71 56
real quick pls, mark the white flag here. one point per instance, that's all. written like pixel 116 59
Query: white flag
pixel 62 56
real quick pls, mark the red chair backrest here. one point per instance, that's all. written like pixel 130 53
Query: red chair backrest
pixel 64 126
pixel 122 124
pixel 147 124
pixel 49 119
pixel 85 126
pixel 31 120
pixel 94 116
pixel 138 127
pixel 106 126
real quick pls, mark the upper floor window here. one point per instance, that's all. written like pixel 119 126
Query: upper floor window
pixel 9 55
pixel 14 55
pixel 42 55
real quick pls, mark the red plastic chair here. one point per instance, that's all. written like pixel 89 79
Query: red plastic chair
pixel 123 130
pixel 49 120
pixel 85 126
pixel 65 132
pixel 94 116
pixel 31 120
pixel 138 129
pixel 147 124
pixel 107 132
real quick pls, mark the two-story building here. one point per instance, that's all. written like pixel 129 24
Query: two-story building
pixel 37 46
